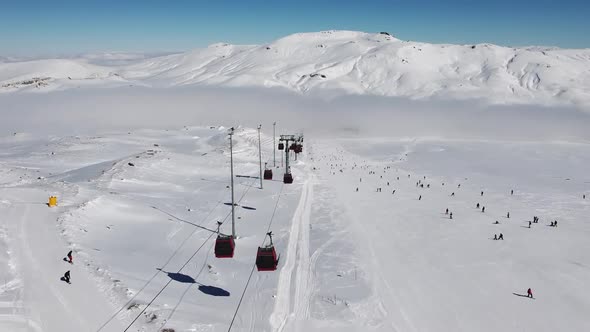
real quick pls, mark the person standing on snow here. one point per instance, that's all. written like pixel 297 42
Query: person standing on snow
pixel 67 276
pixel 70 260
pixel 529 293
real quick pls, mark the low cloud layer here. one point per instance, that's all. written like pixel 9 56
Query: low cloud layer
pixel 88 111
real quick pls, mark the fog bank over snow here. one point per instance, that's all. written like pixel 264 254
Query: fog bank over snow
pixel 342 62
pixel 88 110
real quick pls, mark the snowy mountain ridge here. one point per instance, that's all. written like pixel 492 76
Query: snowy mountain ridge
pixel 346 62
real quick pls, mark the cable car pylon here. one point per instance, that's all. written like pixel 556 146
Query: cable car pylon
pixel 225 244
pixel 291 142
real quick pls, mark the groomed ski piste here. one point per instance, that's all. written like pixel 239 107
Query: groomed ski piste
pixel 139 209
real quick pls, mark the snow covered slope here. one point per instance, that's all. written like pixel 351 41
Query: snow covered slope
pixel 139 211
pixel 348 62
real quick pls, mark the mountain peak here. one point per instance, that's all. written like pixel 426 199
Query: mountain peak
pixel 352 62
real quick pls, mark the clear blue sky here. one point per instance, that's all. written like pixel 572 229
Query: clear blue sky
pixel 44 27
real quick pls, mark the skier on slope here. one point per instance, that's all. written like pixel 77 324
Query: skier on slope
pixel 70 260
pixel 529 293
pixel 66 276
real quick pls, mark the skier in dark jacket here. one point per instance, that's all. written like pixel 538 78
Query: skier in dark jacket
pixel 529 293
pixel 70 260
pixel 66 276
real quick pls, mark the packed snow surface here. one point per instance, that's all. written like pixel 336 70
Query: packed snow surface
pixel 346 62
pixel 364 240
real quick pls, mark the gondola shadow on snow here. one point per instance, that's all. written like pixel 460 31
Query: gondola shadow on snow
pixel 209 290
pixel 213 291
pixel 180 277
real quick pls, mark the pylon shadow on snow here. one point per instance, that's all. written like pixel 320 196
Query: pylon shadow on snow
pixel 242 206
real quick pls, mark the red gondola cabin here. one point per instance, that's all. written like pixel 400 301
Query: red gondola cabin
pixel 224 246
pixel 287 178
pixel 266 259
pixel 268 174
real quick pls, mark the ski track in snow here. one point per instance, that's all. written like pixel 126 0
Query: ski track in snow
pixel 51 299
pixel 297 262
